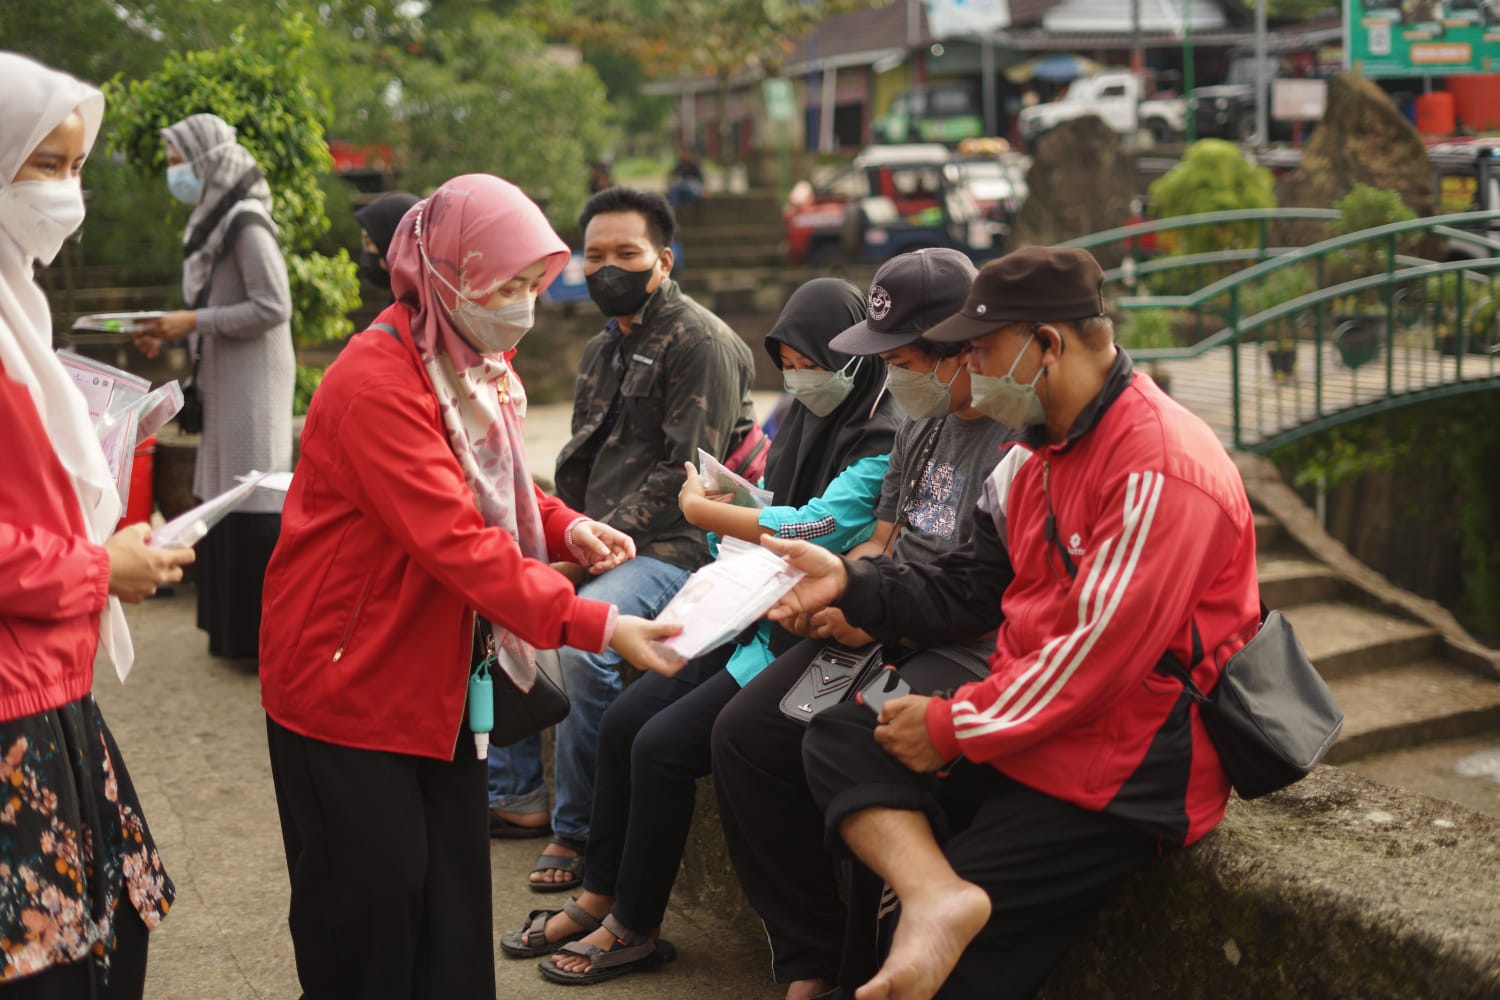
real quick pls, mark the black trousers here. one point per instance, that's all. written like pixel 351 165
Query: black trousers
pixel 773 828
pixel 653 748
pixel 231 572
pixel 389 857
pixel 81 980
pixel 1046 864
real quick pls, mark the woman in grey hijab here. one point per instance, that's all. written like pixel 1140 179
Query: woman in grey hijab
pixel 239 306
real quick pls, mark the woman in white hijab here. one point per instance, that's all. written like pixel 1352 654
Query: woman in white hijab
pixel 234 281
pixel 82 881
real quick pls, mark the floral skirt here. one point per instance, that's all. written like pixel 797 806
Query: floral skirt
pixel 73 842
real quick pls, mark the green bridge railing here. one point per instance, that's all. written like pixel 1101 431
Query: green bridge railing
pixel 1380 328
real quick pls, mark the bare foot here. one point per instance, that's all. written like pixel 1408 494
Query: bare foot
pixel 568 962
pixel 935 928
pixel 556 850
pixel 808 989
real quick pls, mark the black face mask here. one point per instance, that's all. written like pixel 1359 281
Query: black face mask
pixel 618 292
pixel 372 273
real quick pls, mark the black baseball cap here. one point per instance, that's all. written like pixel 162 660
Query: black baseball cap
pixel 911 294
pixel 1030 285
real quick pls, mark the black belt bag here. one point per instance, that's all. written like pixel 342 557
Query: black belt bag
pixel 1271 717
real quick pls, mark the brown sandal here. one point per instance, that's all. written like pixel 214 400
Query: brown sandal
pixel 531 940
pixel 629 952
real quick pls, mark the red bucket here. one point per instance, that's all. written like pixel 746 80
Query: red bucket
pixel 142 494
pixel 1435 114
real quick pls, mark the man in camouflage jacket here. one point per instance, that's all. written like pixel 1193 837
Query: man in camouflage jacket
pixel 664 378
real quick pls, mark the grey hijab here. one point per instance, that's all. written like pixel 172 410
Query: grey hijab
pixel 232 183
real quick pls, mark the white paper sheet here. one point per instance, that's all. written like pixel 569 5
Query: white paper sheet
pixel 189 527
pixel 719 479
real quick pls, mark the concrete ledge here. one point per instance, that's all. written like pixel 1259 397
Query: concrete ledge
pixel 1336 887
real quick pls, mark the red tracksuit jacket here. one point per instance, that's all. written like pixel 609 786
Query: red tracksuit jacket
pixel 1154 517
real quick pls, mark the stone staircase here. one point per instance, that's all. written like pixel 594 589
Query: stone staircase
pixel 1410 680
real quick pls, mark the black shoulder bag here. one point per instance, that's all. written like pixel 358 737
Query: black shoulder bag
pixel 190 417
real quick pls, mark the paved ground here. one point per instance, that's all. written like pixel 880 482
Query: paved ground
pixel 193 736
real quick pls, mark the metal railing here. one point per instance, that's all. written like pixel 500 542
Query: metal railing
pixel 1433 324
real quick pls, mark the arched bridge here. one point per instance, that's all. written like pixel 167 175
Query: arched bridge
pixel 1306 338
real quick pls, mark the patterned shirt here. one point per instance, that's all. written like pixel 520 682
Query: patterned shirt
pixel 645 403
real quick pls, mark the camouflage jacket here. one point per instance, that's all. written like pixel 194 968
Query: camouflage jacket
pixel 683 378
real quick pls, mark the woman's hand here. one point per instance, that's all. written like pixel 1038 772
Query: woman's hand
pixel 694 493
pixel 638 641
pixel 603 547
pixel 136 569
pixel 151 334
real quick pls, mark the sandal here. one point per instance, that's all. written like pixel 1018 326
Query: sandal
pixel 558 863
pixel 503 829
pixel 629 952
pixel 531 940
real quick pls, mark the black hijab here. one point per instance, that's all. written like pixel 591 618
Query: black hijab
pixel 810 451
pixel 380 218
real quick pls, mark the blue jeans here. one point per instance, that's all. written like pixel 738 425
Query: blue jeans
pixel 641 587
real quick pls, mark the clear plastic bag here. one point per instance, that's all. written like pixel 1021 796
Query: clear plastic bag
pixel 720 600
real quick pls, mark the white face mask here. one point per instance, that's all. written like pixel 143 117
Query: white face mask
pixel 494 331
pixel 488 331
pixel 1002 398
pixel 39 215
pixel 820 391
pixel 922 394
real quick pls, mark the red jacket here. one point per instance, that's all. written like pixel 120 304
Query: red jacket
pixel 383 559
pixel 1154 516
pixel 53 581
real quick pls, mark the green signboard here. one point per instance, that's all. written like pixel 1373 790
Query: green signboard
pixel 1422 37
pixel 777 93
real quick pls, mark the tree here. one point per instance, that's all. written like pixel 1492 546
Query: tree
pixel 263 90
pixel 1214 176
pixel 722 39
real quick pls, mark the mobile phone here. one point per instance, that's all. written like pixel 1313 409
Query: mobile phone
pixel 883 687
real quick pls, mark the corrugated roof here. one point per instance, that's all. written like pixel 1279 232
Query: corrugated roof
pixel 869 30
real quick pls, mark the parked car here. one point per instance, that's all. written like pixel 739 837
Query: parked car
pixel 1119 98
pixel 1227 110
pixel 891 199
pixel 995 176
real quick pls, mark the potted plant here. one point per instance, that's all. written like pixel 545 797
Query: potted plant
pixel 1441 294
pixel 1149 329
pixel 1280 335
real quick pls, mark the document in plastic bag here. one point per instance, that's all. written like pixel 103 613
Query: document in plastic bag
pixel 189 528
pixel 719 479
pixel 116 322
pixel 112 396
pixel 720 600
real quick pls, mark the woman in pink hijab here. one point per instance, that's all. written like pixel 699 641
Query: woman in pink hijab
pixel 412 536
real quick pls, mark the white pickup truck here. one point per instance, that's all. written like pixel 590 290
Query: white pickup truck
pixel 1115 96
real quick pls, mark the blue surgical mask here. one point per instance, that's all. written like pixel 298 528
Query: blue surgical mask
pixel 1002 398
pixel 185 185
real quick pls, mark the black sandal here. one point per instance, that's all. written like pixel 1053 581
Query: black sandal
pixel 628 952
pixel 531 940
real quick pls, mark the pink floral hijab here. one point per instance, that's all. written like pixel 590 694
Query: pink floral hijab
pixel 477 232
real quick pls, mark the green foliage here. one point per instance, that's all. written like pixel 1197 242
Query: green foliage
pixel 309 377
pixel 1214 176
pixel 1279 287
pixel 324 290
pixel 262 88
pixel 1147 329
pixel 1366 207
pixel 264 91
pixel 492 98
pixel 1454 442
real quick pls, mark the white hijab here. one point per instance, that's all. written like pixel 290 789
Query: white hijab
pixel 33 101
